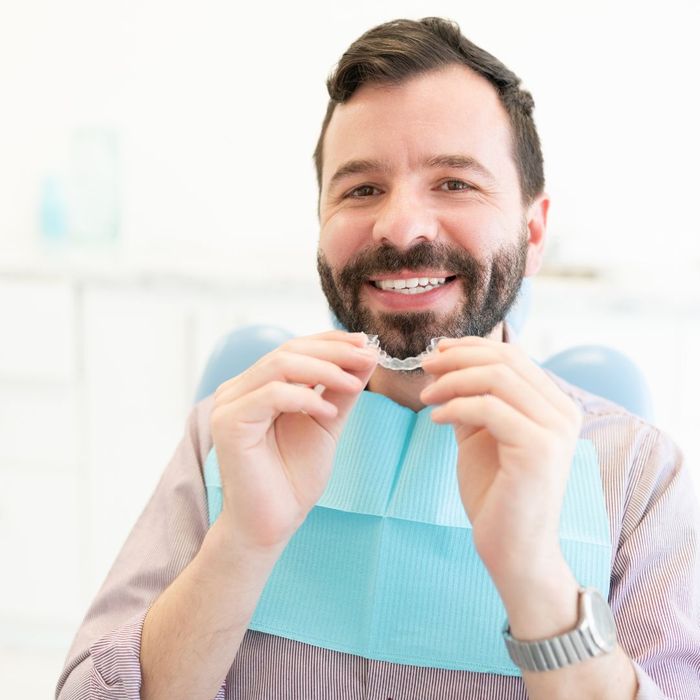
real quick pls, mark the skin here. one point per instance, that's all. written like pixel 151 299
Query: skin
pixel 275 437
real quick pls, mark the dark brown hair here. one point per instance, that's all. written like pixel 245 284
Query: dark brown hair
pixel 395 51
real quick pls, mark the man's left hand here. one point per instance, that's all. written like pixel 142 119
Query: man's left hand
pixel 516 432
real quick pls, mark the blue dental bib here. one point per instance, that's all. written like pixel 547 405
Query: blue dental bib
pixel 384 566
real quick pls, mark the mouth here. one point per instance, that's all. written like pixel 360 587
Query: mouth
pixel 403 284
pixel 403 292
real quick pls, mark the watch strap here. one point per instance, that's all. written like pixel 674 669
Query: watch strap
pixel 583 642
pixel 554 653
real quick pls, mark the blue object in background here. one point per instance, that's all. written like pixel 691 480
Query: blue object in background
pixel 80 198
pixel 53 218
pixel 237 351
pixel 521 308
pixel 605 372
pixel 595 368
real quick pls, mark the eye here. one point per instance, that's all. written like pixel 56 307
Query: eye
pixel 362 191
pixel 456 186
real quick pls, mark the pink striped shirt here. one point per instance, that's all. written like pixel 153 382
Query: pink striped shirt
pixel 654 592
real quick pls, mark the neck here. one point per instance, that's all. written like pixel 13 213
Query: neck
pixel 405 388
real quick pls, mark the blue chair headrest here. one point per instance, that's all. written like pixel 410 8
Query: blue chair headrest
pixel 237 351
pixel 605 372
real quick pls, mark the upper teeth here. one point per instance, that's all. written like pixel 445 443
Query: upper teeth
pixel 410 283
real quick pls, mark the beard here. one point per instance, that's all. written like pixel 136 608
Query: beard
pixel 489 291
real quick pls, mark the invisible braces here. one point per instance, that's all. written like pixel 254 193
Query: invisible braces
pixel 392 362
pixel 389 362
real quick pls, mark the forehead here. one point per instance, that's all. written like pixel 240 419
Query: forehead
pixel 451 110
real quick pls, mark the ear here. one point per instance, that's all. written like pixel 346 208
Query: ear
pixel 536 218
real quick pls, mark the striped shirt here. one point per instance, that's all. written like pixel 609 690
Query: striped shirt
pixel 654 588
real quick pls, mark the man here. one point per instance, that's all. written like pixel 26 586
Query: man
pixel 432 210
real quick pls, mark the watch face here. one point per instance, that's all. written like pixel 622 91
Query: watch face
pixel 601 622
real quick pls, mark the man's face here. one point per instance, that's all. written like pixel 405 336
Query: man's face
pixel 419 183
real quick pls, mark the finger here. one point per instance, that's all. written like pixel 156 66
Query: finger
pixel 266 403
pixel 334 346
pixel 508 426
pixel 344 354
pixel 346 401
pixel 359 338
pixel 341 352
pixel 285 366
pixel 445 343
pixel 499 380
pixel 458 353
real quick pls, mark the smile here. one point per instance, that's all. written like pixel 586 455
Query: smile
pixel 413 285
pixel 424 292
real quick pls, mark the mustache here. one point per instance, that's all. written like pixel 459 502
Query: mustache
pixel 387 258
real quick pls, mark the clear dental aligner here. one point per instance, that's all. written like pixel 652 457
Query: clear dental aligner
pixel 407 363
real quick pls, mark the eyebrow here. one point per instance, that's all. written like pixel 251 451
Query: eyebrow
pixel 454 161
pixel 357 167
pixel 460 162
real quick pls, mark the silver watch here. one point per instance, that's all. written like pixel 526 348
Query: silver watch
pixel 594 635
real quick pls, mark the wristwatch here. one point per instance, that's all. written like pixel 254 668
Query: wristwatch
pixel 594 635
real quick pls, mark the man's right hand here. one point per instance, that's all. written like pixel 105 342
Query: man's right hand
pixel 275 437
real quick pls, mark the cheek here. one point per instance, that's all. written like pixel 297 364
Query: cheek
pixel 343 236
pixel 480 230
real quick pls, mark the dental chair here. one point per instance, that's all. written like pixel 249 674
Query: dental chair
pixel 598 369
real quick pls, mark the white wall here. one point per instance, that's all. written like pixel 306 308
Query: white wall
pixel 214 110
pixel 217 109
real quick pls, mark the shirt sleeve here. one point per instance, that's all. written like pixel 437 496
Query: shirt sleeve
pixel 104 660
pixel 655 586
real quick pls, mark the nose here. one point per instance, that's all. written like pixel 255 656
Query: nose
pixel 404 220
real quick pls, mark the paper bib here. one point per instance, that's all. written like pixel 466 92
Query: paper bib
pixel 384 566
